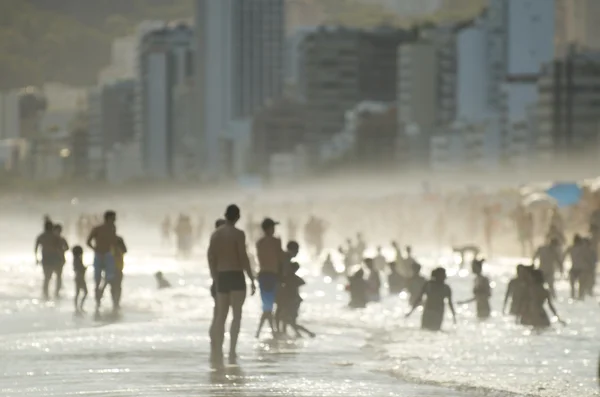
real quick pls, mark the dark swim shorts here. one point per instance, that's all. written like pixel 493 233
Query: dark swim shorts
pixel 230 281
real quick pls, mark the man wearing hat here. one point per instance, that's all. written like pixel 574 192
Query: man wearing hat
pixel 270 260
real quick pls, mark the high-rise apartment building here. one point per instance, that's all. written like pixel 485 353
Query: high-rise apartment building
pixel 239 67
pixel 569 104
pixel 342 67
pixel 577 25
pixel 166 62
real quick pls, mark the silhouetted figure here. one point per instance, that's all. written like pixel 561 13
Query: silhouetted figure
pixel 516 291
pixel 270 261
pixel 80 284
pixel 291 300
pixel 63 248
pixel 539 295
pixel 357 287
pixel 51 248
pixel 116 288
pixel 415 285
pixel 184 234
pixel 228 260
pixel 482 291
pixel 373 282
pixel 437 292
pixel 161 281
pixel 102 240
pixel 582 261
pixel 328 267
pixel 550 261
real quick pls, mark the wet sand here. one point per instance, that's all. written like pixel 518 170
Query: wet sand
pixel 169 358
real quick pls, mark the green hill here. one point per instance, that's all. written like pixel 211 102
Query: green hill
pixel 68 41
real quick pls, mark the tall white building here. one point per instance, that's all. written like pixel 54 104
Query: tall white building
pixel 166 63
pixel 239 68
pixel 531 28
pixel 472 74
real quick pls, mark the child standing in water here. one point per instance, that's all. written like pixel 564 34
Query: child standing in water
pixel 291 300
pixel 481 291
pixel 80 284
pixel 437 292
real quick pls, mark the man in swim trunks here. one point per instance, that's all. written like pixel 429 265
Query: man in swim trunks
pixel 228 260
pixel 270 261
pixel 103 239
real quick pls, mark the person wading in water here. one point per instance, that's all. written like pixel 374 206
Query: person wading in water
pixel 51 256
pixel 270 260
pixel 103 239
pixel 228 260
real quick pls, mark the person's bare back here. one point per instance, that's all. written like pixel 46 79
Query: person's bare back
pixel 104 238
pixel 227 250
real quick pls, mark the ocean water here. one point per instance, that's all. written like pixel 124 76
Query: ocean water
pixel 159 346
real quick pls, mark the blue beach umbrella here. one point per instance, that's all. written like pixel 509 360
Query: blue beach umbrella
pixel 565 194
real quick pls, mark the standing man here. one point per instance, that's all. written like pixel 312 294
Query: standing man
pixel 103 239
pixel 228 260
pixel 270 261
pixel 51 255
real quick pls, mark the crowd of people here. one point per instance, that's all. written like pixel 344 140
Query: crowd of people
pixel 109 250
pixel 257 254
pixel 277 278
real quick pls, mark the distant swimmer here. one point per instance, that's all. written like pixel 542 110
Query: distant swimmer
pixel 228 261
pixel 161 281
pixel 102 240
pixel 437 292
pixel 482 291
pixel 80 284
pixel 271 258
pixel 51 247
